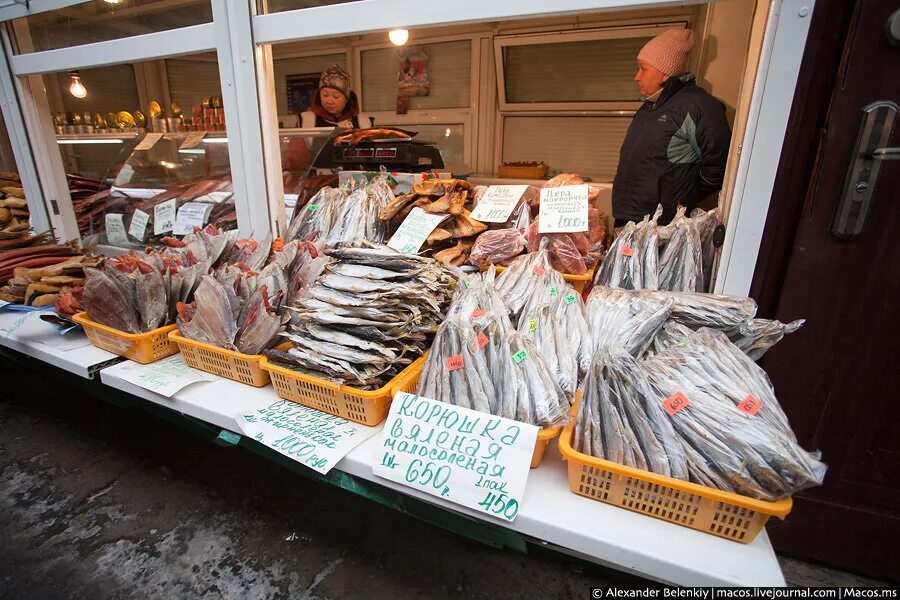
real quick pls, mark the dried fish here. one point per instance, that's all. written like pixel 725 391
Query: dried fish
pixel 756 336
pixel 625 318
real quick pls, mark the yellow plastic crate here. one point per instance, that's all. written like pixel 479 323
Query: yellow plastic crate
pixel 142 348
pixel 243 368
pixel 363 406
pixel 724 514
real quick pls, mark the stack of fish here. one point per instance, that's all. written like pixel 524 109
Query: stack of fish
pixel 701 410
pixel 336 217
pixel 368 315
pixel 681 263
pixel 478 366
pixel 734 432
pixel 626 319
pixel 620 420
pixel 239 309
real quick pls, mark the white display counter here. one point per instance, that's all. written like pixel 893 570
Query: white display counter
pixel 549 513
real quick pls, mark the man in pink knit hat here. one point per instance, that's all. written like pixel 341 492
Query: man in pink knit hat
pixel 676 146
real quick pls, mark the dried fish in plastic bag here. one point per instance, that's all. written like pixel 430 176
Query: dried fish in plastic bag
pixel 710 310
pixel 681 263
pixel 315 219
pixel 569 308
pixel 733 429
pixel 619 419
pixel 706 223
pixel 756 336
pixel 547 333
pixel 625 318
pixel 621 267
pixel 529 282
pixel 671 333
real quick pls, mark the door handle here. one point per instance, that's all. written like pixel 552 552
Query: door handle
pixel 886 154
pixel 865 164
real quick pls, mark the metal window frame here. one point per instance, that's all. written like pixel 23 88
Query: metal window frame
pixel 502 42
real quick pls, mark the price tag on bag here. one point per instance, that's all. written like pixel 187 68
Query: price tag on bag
pixel 497 203
pixel 454 363
pixel 487 475
pixel 750 405
pixel 564 209
pixel 675 403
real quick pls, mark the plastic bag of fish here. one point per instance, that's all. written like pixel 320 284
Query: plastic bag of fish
pixel 371 312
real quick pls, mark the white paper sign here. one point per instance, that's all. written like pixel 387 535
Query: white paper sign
pixel 497 203
pixel 414 230
pixel 138 226
pixel 564 209
pixel 471 458
pixel 314 439
pixel 141 193
pixel 115 229
pixel 165 377
pixel 219 196
pixel 193 139
pixel 190 215
pixel 149 141
pixel 164 217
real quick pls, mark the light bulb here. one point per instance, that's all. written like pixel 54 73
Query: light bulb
pixel 76 88
pixel 398 36
pixel 112 1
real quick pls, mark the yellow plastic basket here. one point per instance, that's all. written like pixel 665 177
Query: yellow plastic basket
pixel 576 281
pixel 366 407
pixel 719 513
pixel 244 368
pixel 143 348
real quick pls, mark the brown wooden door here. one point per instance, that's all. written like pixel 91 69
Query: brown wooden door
pixel 838 377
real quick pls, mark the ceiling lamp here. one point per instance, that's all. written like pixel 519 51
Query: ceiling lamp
pixel 399 36
pixel 76 88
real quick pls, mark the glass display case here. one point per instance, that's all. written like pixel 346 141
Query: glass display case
pixel 159 185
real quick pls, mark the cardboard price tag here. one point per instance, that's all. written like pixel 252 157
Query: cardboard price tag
pixel 138 226
pixel 497 451
pixel 564 209
pixel 675 402
pixel 497 203
pixel 190 215
pixel 115 229
pixel 627 251
pixel 481 340
pixel 455 362
pixel 477 313
pixel 414 230
pixel 149 141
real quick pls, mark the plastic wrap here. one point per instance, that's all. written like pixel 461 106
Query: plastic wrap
pixel 710 310
pixel 737 433
pixel 625 319
pixel 495 246
pixel 546 332
pixel 756 336
pixel 529 280
pixel 681 263
pixel 706 223
pixel 568 307
pixel 621 268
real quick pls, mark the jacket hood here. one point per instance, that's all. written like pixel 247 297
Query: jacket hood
pixel 350 111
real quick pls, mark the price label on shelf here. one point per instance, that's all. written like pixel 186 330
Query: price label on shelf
pixel 414 230
pixel 190 215
pixel 312 438
pixel 487 475
pixel 115 229
pixel 164 217
pixel 149 141
pixel 564 209
pixel 497 203
pixel 138 227
pixel 192 140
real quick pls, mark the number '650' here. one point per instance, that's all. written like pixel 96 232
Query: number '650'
pixel 425 474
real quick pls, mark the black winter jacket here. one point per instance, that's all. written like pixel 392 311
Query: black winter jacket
pixel 674 152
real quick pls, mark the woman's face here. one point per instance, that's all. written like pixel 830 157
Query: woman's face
pixel 332 100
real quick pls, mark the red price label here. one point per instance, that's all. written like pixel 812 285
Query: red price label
pixel 750 405
pixel 455 362
pixel 481 340
pixel 627 251
pixel 538 271
pixel 477 313
pixel 675 402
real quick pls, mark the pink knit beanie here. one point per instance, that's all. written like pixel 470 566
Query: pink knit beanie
pixel 669 51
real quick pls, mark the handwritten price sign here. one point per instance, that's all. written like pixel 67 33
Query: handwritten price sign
pixel 470 458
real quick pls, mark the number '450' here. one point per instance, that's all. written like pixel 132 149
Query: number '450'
pixel 500 505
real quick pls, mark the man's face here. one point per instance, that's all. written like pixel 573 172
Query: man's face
pixel 649 79
pixel 333 101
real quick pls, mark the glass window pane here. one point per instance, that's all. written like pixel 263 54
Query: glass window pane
pixel 275 6
pixel 301 75
pixel 99 134
pixel 583 71
pixel 100 20
pixel 449 140
pixel 449 75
